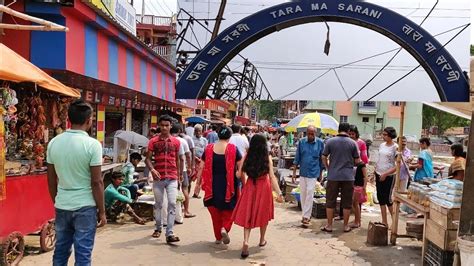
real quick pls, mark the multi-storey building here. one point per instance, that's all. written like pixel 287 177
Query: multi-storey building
pixel 158 33
pixel 371 117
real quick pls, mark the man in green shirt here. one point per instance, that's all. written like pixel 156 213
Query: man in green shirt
pixel 76 186
pixel 117 199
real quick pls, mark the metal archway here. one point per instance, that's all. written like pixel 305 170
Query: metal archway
pixel 450 82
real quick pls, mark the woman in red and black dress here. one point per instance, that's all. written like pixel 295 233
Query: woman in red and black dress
pixel 255 206
pixel 220 162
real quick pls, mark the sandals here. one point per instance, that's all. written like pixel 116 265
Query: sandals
pixel 189 215
pixel 325 229
pixel 354 225
pixel 225 236
pixel 347 230
pixel 245 251
pixel 305 222
pixel 172 239
pixel 156 234
pixel 196 196
pixel 263 244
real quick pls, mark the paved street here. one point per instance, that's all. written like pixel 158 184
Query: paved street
pixel 288 244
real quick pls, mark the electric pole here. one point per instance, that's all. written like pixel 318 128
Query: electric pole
pixel 220 14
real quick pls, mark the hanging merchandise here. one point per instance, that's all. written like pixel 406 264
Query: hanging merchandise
pixel 28 127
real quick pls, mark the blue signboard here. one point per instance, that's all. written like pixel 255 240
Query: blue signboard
pixel 253 113
pixel 447 76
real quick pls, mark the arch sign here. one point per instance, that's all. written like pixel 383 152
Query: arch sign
pixel 447 76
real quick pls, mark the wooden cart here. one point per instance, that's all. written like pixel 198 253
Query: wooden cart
pixel 27 209
pixel 403 198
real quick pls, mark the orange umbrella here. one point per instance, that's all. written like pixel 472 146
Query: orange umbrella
pixel 15 68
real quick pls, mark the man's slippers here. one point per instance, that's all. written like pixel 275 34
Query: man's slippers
pixel 324 229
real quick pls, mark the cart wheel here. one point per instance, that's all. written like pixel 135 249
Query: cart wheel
pixel 12 249
pixel 48 236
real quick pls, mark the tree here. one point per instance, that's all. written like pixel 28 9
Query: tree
pixel 268 110
pixel 433 117
pixel 472 50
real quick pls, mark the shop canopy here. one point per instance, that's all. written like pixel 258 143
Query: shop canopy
pixel 463 110
pixel 197 119
pixel 244 121
pixel 15 68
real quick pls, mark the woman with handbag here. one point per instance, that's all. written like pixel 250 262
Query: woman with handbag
pixel 220 163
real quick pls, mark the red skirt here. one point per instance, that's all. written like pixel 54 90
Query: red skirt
pixel 255 205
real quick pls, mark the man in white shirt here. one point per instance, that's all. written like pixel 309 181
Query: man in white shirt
pixel 175 130
pixel 189 130
pixel 238 140
pixel 200 144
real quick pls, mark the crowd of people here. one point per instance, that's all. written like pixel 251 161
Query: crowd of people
pixel 236 176
pixel 233 166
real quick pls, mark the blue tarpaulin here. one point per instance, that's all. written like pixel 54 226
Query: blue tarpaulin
pixel 197 119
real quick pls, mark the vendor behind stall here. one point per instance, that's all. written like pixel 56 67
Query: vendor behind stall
pixel 457 168
pixel 424 167
pixel 117 200
pixel 128 171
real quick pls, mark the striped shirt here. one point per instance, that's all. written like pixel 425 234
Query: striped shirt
pixel 166 151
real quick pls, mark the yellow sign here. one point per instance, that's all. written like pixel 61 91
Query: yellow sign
pixel 120 10
pixel 108 6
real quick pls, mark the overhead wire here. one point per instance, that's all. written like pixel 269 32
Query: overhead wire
pixel 272 4
pixel 304 86
pixel 340 82
pixel 152 6
pixel 407 74
pixel 360 60
pixel 167 7
pixel 302 64
pixel 391 59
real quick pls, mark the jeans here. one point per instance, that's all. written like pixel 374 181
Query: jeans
pixel 171 188
pixel 75 227
pixel 133 188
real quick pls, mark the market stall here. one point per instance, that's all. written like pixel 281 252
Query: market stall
pixel 33 109
pixel 439 201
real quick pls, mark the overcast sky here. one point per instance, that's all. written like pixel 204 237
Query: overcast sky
pixel 301 47
pixel 156 7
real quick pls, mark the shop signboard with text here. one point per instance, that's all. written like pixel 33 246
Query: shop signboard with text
pixel 120 10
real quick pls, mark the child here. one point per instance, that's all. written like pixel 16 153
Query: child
pixel 360 196
pixel 117 199
pixel 128 171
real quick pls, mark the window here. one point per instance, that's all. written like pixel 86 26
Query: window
pixel 369 104
pixel 395 104
pixel 343 119
pixel 197 111
pixel 365 119
pixel 380 120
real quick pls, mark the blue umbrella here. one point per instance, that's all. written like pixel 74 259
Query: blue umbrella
pixel 197 119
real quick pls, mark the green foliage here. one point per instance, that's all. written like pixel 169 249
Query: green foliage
pixel 472 50
pixel 433 117
pixel 268 110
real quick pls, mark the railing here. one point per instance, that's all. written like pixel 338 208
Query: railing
pixel 156 20
pixel 163 51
